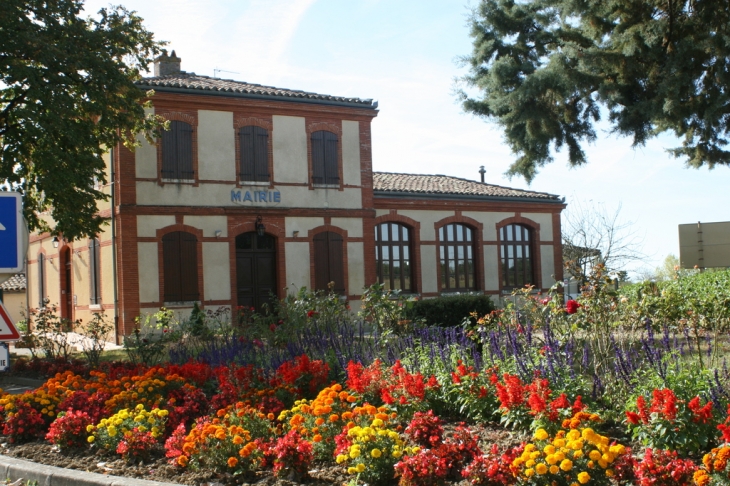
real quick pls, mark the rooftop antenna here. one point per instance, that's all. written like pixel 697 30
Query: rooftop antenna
pixel 482 171
pixel 218 70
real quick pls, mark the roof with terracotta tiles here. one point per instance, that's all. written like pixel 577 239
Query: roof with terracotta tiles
pixel 207 85
pixel 16 283
pixel 389 182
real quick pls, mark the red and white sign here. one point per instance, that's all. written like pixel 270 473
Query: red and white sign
pixel 8 331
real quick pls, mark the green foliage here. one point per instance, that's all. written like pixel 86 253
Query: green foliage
pixel 451 310
pixel 545 69
pixel 67 94
pixel 148 342
pixel 96 333
pixel 386 309
pixel 51 332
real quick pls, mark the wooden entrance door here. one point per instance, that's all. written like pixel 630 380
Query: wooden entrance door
pixel 67 304
pixel 255 269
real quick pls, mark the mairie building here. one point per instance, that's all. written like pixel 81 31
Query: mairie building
pixel 256 191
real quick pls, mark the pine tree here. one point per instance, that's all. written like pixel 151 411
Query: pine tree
pixel 545 68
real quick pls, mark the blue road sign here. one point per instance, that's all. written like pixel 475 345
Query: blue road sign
pixel 12 232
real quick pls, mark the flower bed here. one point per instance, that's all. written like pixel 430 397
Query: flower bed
pixel 377 427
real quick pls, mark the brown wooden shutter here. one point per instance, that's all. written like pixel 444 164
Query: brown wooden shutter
pixel 180 266
pixel 41 280
pixel 171 267
pixel 321 261
pixel 329 261
pixel 177 151
pixel 330 159
pixel 336 262
pixel 169 154
pixel 318 154
pixel 185 151
pixel 246 143
pixel 94 272
pixel 261 145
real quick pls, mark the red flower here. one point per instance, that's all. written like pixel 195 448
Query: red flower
pixel 311 313
pixel 572 306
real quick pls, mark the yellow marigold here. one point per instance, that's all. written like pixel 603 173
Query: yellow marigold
pixel 541 468
pixel 594 455
pixel 566 465
pixel 529 472
pixel 554 469
pixel 341 458
pixel 360 467
pixel 351 470
pixel 583 477
pixel 541 434
pixel 376 453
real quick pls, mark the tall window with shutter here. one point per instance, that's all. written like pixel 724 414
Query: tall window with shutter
pixel 329 261
pixel 254 146
pixel 177 152
pixel 41 280
pixel 324 158
pixel 180 267
pixel 516 254
pixel 456 247
pixel 94 272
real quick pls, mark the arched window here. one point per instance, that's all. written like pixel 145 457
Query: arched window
pixel 180 267
pixel 324 158
pixel 329 261
pixel 254 146
pixel 458 271
pixel 516 254
pixel 177 152
pixel 393 256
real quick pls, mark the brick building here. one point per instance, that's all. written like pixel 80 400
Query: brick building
pixel 255 189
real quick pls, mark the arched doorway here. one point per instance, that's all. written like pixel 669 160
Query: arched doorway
pixel 255 269
pixel 67 304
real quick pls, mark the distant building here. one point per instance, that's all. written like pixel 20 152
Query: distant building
pixel 13 294
pixel 254 189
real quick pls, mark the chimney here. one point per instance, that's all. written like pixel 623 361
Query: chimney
pixel 166 65
pixel 482 171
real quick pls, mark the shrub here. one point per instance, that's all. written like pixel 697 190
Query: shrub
pixel 293 455
pixel 673 424
pixel 68 430
pixel 450 311
pixel 23 423
pixel 492 469
pixel 663 468
pixel 372 453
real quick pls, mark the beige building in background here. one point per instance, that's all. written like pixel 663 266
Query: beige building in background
pixel 257 191
pixel 13 297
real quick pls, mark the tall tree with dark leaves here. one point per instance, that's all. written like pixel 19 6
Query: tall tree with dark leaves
pixel 544 69
pixel 67 93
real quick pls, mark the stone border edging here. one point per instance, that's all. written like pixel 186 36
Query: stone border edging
pixel 14 469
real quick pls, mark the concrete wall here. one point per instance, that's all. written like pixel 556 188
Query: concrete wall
pixel 149 273
pixel 290 149
pixel 297 265
pixel 351 152
pixel 216 146
pixel 355 268
pixel 14 303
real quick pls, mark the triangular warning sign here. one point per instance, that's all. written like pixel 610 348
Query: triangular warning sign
pixel 8 331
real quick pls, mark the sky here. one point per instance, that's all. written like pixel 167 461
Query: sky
pixel 405 54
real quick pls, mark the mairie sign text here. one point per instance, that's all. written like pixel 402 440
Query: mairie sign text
pixel 264 197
